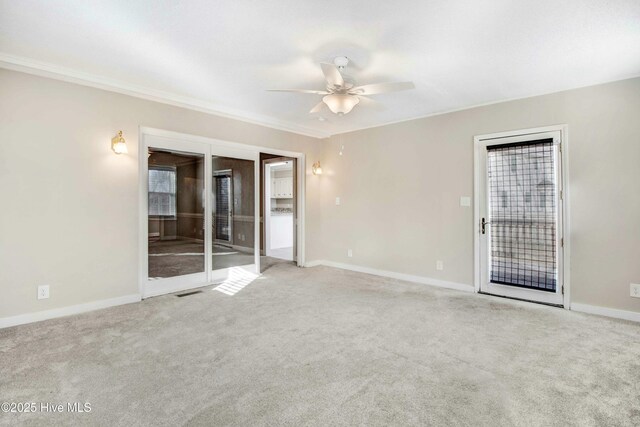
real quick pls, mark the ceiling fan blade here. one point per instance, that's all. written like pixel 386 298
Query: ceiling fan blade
pixel 319 106
pixel 377 88
pixel 315 92
pixel 332 74
pixel 370 103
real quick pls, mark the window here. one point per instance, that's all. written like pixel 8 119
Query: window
pixel 162 191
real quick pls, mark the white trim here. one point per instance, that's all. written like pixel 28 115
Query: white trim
pixel 39 316
pixel 478 141
pixel 313 263
pixel 53 71
pixel 247 148
pixel 606 311
pixel 482 104
pixel 394 275
pixel 266 191
pixel 43 69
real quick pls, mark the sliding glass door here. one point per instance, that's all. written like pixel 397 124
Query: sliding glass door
pixel 176 214
pixel 233 216
pixel 201 214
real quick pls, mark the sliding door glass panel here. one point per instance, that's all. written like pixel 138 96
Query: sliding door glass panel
pixel 233 216
pixel 522 185
pixel 176 214
pixel 223 218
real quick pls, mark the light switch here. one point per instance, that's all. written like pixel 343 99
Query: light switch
pixel 337 201
pixel 465 201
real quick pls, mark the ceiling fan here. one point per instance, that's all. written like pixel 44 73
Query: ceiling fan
pixel 342 94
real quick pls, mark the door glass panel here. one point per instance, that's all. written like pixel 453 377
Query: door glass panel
pixel 522 186
pixel 233 215
pixel 176 214
pixel 223 218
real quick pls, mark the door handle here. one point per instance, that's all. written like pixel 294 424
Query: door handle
pixel 483 224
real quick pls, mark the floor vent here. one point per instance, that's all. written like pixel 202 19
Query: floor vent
pixel 188 293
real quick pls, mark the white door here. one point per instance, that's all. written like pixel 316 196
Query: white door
pixel 519 213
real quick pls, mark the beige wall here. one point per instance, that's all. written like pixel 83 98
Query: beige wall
pixel 57 167
pixel 400 187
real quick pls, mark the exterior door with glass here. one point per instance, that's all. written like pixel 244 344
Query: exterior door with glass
pixel 519 212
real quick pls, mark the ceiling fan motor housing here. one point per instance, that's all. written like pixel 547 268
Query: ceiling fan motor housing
pixel 341 62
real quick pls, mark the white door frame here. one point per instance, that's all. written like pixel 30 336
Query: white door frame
pixel 268 190
pixel 192 143
pixel 480 144
pixel 266 179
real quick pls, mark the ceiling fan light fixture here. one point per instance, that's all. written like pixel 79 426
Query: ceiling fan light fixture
pixel 341 104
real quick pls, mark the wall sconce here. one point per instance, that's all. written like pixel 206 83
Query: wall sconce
pixel 316 168
pixel 118 145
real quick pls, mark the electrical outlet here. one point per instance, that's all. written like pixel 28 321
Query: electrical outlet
pixel 337 201
pixel 465 201
pixel 439 265
pixel 350 253
pixel 43 291
pixel 635 290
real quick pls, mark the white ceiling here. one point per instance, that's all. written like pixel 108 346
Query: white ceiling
pixel 220 56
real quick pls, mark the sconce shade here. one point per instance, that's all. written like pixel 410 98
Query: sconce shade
pixel 118 144
pixel 316 168
pixel 341 104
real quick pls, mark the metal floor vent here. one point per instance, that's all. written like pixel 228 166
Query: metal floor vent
pixel 186 294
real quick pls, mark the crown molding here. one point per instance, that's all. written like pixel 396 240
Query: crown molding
pixel 485 104
pixel 44 69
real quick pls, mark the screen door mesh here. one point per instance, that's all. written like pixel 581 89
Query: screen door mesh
pixel 522 214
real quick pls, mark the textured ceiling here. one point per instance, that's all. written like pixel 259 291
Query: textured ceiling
pixel 222 55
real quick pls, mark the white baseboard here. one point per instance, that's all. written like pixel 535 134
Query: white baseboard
pixel 313 263
pixel 605 311
pixel 395 275
pixel 38 316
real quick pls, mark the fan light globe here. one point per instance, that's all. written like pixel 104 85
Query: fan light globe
pixel 341 104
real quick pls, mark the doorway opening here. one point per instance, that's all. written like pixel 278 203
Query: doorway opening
pixel 280 207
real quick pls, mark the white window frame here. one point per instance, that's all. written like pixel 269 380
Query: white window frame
pixel 175 201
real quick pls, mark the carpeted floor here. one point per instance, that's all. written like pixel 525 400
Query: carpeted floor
pixel 171 258
pixel 321 346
